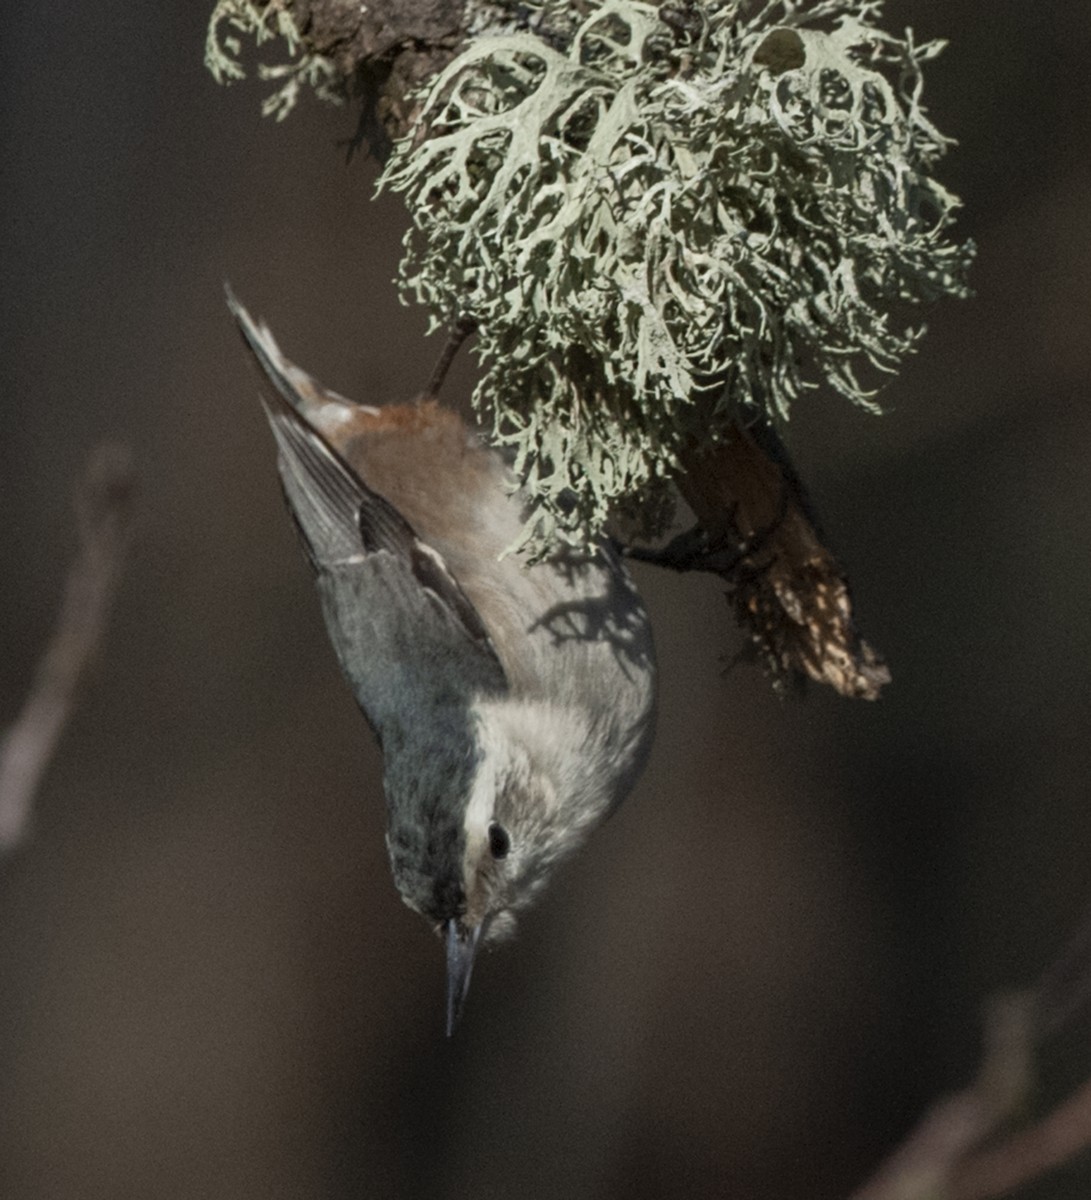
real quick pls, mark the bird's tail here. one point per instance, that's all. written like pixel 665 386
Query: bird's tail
pixel 304 393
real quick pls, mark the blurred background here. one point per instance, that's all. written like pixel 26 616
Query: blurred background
pixel 774 956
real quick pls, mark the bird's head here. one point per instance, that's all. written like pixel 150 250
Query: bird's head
pixel 474 837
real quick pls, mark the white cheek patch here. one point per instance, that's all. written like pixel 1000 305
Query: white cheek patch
pixel 479 811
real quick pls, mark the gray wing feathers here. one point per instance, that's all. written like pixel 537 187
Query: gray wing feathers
pixel 322 493
pixel 406 635
pixel 411 665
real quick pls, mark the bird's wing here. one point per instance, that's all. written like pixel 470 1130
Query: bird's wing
pixel 405 632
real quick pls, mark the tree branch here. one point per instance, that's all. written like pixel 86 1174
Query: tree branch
pixel 103 503
pixel 955 1125
pixel 1029 1153
pixel 946 1154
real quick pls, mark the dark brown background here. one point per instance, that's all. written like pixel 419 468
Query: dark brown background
pixel 774 955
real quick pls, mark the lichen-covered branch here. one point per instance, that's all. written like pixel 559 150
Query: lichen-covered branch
pixel 104 519
pixel 384 50
pixel 661 224
pixel 667 223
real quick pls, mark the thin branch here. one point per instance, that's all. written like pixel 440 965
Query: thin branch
pixel 957 1124
pixel 1064 989
pixel 103 503
pixel 1028 1154
pixel 946 1154
pixel 460 330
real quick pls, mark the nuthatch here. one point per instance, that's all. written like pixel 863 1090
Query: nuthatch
pixel 514 703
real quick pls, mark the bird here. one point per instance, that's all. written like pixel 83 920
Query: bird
pixel 513 700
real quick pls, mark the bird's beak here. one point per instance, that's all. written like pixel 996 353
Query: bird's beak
pixel 461 948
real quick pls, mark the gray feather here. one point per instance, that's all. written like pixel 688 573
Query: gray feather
pixel 407 638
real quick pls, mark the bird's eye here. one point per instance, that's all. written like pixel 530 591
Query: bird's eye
pixel 499 840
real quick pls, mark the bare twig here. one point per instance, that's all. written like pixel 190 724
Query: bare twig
pixel 460 330
pixel 103 505
pixel 947 1153
pixel 1061 996
pixel 1028 1154
pixel 1064 989
pixel 957 1124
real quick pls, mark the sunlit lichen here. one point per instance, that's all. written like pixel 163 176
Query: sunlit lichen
pixel 662 216
pixel 263 21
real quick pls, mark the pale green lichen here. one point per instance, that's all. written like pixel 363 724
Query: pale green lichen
pixel 263 21
pixel 660 217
